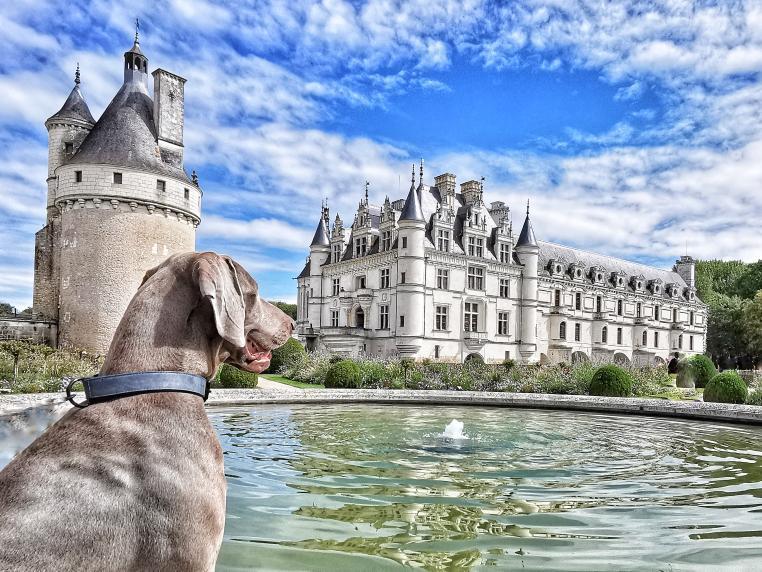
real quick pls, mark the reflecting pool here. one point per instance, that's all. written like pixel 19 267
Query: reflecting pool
pixel 361 487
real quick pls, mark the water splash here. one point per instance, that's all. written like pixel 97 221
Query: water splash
pixel 454 431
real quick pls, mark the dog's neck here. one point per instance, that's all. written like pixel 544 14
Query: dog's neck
pixel 167 327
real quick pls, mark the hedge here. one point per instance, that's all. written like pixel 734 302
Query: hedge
pixel 611 381
pixel 283 355
pixel 344 374
pixel 726 387
pixel 230 377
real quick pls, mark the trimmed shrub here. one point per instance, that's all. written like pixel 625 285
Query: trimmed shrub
pixel 611 381
pixel 695 371
pixel 726 387
pixel 344 374
pixel 230 377
pixel 285 354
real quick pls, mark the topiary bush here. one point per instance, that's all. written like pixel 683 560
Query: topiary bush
pixel 284 355
pixel 695 371
pixel 611 381
pixel 344 374
pixel 726 387
pixel 230 377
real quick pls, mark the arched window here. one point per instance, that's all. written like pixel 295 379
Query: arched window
pixel 562 330
pixel 604 335
pixel 645 338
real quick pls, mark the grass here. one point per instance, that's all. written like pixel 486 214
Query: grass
pixel 291 382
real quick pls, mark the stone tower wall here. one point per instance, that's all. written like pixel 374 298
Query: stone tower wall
pixel 110 235
pixel 169 106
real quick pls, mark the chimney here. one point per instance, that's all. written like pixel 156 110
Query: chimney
pixel 169 114
pixel 446 184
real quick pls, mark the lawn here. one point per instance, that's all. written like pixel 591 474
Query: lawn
pixel 291 382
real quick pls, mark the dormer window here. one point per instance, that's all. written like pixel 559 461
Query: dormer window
pixel 336 250
pixel 690 294
pixel 576 271
pixel 386 240
pixel 443 240
pixel 361 246
pixel 505 253
pixel 617 280
pixel 556 268
pixel 68 148
pixel 597 274
pixel 475 246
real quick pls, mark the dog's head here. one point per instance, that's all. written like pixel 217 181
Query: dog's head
pixel 249 326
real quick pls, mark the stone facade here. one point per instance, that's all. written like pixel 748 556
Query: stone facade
pixel 119 203
pixel 441 276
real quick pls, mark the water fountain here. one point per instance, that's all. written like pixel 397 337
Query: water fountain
pixel 454 431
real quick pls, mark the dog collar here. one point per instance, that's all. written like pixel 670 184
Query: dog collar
pixel 107 387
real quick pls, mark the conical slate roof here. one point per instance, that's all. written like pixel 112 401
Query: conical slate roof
pixel 321 234
pixel 74 108
pixel 412 209
pixel 125 135
pixel 526 238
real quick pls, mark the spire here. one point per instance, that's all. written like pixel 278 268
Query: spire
pixel 526 238
pixel 135 63
pixel 412 209
pixel 75 106
pixel 420 183
pixel 76 76
pixel 321 232
pixel 137 31
pixel 367 184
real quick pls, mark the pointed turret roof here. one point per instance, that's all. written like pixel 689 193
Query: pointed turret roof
pixel 321 233
pixel 526 238
pixel 412 209
pixel 75 107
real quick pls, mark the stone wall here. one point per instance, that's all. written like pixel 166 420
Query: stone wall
pixel 32 328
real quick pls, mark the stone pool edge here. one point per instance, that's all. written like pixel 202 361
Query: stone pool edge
pixel 697 410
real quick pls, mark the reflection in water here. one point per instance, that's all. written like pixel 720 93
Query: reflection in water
pixel 372 487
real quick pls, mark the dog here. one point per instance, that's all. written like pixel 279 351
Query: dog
pixel 137 482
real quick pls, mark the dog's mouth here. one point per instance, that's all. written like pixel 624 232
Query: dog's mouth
pixel 255 358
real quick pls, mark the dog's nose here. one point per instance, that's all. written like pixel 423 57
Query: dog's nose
pixel 293 325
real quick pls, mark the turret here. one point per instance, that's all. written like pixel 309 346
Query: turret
pixel 320 247
pixel 135 63
pixel 528 253
pixel 411 273
pixel 686 268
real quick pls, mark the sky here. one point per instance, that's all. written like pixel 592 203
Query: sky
pixel 634 128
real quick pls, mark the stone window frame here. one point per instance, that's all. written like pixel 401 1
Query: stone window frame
pixel 471 311
pixel 117 178
pixel 504 252
pixel 656 339
pixel 443 239
pixel 645 338
pixel 335 285
pixel 336 251
pixel 605 335
pixel 384 279
pixel 383 317
pixel 577 332
pixel 619 336
pixel 476 246
pixel 402 320
pixel 442 317
pixel 334 318
pixel 77 176
pixel 578 300
pixel 443 278
pixel 475 276
pixel 404 242
pixel 562 330
pixel 503 323
pixel 386 240
pixel 186 193
pixel 504 288
pixel 161 185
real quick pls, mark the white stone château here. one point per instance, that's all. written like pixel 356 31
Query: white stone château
pixel 119 203
pixel 441 276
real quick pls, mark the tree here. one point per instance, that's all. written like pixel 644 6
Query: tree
pixel 749 282
pixel 6 309
pixel 289 309
pixel 725 332
pixel 16 349
pixel 752 326
pixel 717 277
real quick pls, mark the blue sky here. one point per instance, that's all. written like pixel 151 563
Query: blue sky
pixel 635 128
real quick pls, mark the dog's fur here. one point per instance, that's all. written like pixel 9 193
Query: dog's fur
pixel 137 483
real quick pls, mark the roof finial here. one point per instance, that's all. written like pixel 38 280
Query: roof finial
pixel 421 170
pixel 76 75
pixel 367 184
pixel 527 207
pixel 137 31
pixel 412 179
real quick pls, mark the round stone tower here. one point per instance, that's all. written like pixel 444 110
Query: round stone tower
pixel 122 201
pixel 528 252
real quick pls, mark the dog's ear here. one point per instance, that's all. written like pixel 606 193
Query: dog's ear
pixel 218 282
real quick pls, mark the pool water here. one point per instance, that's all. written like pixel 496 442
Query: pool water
pixel 360 487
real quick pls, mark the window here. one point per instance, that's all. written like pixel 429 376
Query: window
pixel 440 318
pixel 656 339
pixel 360 282
pixel 475 246
pixel 505 253
pixel 598 304
pixel 443 278
pixel 691 318
pixel 690 343
pixel 505 287
pixel 404 242
pixel 385 278
pixel 639 309
pixel 471 317
pixel 578 301
pixel 186 194
pixel 334 318
pixel 562 331
pixel 402 277
pixel 577 332
pixel 383 317
pixel 680 341
pixel 476 277
pixel 161 185
pixel 436 352
pixel 502 323
pixel 361 246
pixel 402 321
pixel 69 148
pixel 443 240
pixel 336 252
pixel 645 338
pixel 118 179
pixel 657 313
pixel 619 308
pixel 77 176
pixel 335 287
pixel 619 336
pixel 604 335
pixel 557 298
pixel 674 315
pixel 386 240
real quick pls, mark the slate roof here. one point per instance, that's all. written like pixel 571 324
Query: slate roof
pixel 550 251
pixel 125 135
pixel 74 108
pixel 526 238
pixel 412 210
pixel 305 271
pixel 320 237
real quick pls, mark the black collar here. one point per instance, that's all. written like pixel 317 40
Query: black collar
pixel 106 387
